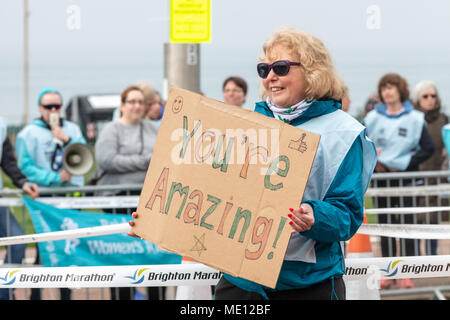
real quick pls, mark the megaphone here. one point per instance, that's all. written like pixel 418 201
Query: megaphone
pixel 78 159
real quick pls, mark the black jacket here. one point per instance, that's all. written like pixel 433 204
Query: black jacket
pixel 9 165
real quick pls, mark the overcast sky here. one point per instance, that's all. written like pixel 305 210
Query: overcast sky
pixel 137 28
pixel 129 32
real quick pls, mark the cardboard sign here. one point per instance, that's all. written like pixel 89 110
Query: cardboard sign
pixel 220 184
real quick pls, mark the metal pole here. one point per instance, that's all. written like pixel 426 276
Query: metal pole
pixel 25 63
pixel 181 66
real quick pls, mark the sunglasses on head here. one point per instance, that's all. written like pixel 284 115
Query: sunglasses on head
pixel 51 106
pixel 426 96
pixel 280 68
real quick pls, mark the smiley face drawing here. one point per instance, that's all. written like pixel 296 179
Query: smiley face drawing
pixel 177 104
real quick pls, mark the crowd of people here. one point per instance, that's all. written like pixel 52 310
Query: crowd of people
pixel 396 132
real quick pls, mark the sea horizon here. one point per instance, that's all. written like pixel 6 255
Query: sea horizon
pixel 361 78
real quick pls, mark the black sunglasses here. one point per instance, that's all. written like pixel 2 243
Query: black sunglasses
pixel 280 68
pixel 51 106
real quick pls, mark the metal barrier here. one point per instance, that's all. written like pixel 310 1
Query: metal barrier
pixel 410 189
pixel 387 190
pixel 95 196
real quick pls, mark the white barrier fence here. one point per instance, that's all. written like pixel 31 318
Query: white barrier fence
pixel 78 202
pixel 132 202
pixel 66 234
pixel 372 269
pixel 109 276
pixel 196 274
pixel 411 231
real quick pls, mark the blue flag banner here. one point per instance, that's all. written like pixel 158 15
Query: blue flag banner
pixel 115 249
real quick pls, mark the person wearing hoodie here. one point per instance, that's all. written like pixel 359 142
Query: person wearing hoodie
pixel 40 145
pixel 426 98
pixel 302 89
pixel 403 142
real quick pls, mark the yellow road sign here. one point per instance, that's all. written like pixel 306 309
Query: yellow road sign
pixel 190 21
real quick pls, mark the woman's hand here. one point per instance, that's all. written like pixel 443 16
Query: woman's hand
pixel 59 134
pixel 32 189
pixel 302 219
pixel 134 215
pixel 65 176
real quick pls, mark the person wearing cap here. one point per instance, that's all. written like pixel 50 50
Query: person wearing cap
pixel 40 145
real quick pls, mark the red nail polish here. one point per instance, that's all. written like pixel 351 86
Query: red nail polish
pixel 290 222
pixel 290 209
pixel 290 215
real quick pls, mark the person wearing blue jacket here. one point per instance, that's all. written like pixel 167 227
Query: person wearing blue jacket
pixel 40 145
pixel 301 88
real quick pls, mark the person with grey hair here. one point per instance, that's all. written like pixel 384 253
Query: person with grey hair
pixel 425 96
pixel 426 99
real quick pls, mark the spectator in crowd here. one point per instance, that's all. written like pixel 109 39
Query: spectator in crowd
pixel 154 109
pixel 8 223
pixel 302 89
pixel 403 142
pixel 124 149
pixel 369 106
pixel 40 147
pixel 41 144
pixel 154 105
pixel 446 138
pixel 234 91
pixel 426 98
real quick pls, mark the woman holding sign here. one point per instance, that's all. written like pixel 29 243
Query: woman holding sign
pixel 302 89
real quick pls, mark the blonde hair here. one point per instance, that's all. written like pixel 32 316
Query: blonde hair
pixel 320 74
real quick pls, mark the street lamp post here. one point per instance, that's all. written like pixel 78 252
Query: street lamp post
pixel 25 63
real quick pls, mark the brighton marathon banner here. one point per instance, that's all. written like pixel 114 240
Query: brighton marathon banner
pixel 115 249
pixel 109 276
pixel 397 267
pixel 370 270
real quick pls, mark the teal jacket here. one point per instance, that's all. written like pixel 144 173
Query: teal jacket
pixel 337 216
pixel 34 148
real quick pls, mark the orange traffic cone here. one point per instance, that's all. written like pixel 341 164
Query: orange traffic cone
pixel 359 247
